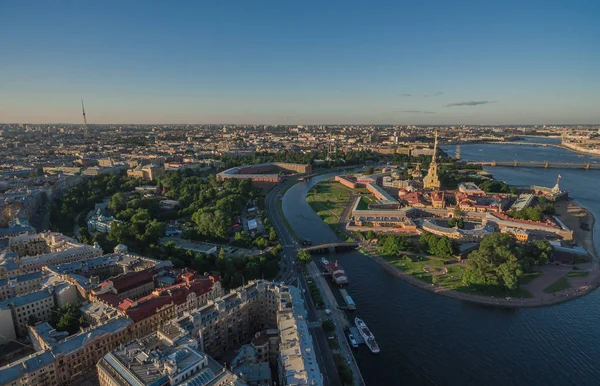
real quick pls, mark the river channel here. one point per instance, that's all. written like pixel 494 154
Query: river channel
pixel 427 339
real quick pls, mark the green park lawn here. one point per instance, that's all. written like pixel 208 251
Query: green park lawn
pixel 328 200
pixel 452 279
pixel 559 285
pixel 577 274
pixel 364 202
pixel 529 276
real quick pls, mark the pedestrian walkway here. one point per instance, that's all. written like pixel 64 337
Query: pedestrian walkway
pixel 339 320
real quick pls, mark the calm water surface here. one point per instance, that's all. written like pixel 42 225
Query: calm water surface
pixel 433 340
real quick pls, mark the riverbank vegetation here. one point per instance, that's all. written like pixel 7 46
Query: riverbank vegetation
pixel 537 212
pixel 500 261
pixel 559 285
pixel 496 268
pixel 438 246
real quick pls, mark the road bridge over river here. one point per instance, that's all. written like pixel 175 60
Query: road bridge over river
pixel 543 164
pixel 331 247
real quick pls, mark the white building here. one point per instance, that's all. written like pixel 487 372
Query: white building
pixel 470 188
pixel 100 223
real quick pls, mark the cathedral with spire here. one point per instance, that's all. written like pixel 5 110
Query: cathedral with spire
pixel 431 180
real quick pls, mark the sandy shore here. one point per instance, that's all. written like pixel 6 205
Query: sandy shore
pixel 577 149
pixel 572 215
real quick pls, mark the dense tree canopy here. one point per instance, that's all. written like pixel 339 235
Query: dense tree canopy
pixel 82 198
pixel 395 245
pixel 68 318
pixel 534 213
pixel 493 186
pixel 500 260
pixel 438 246
pixel 304 257
pixel 333 159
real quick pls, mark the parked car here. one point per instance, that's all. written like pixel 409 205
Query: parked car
pixel 352 341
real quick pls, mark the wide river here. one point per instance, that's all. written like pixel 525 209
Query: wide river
pixel 434 340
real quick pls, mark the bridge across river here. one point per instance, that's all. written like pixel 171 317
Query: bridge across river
pixel 543 164
pixel 331 247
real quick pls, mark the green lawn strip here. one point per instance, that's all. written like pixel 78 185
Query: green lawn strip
pixel 361 191
pixel 559 285
pixel 496 292
pixel 344 371
pixel 577 274
pixel 285 221
pixel 315 294
pixel 529 276
pixel 288 187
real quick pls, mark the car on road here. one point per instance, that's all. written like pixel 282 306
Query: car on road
pixel 306 242
pixel 328 311
pixel 352 341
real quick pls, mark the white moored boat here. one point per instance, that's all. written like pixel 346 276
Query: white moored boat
pixel 367 335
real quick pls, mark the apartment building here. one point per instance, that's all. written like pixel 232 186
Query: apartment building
pixel 133 285
pixel 235 318
pixel 28 245
pixel 18 285
pixel 163 304
pixel 168 356
pixel 297 361
pixel 20 311
pixel 24 309
pixel 36 369
pixel 58 249
pixel 148 172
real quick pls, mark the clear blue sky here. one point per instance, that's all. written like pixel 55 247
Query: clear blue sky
pixel 304 62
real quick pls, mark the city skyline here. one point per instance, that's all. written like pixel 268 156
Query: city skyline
pixel 434 64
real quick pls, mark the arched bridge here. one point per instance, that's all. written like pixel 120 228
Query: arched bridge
pixel 331 247
pixel 544 164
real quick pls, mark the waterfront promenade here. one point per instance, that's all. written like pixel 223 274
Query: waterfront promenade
pixel 592 282
pixel 340 321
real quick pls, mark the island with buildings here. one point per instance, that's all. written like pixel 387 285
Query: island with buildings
pixel 482 241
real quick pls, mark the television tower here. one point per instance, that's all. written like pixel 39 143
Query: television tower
pixel 86 132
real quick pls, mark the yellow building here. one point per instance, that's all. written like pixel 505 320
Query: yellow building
pixel 431 180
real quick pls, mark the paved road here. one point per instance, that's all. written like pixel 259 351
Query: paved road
pixel 339 319
pixel 289 273
pixel 288 243
pixel 326 361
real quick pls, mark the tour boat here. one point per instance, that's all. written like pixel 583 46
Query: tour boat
pixel 367 335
